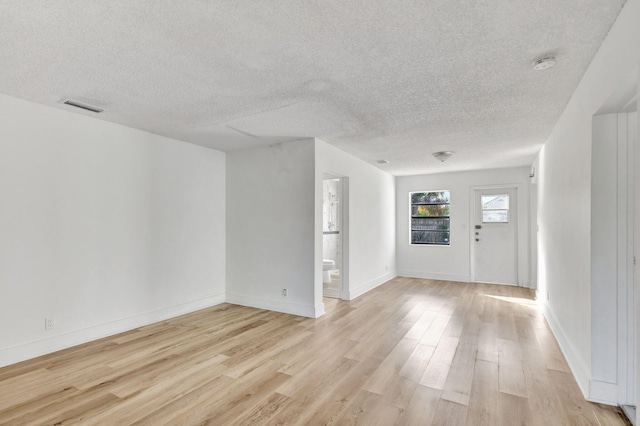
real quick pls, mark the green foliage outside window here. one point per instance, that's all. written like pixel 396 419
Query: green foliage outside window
pixel 430 217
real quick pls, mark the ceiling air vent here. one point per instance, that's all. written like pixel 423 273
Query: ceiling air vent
pixel 81 105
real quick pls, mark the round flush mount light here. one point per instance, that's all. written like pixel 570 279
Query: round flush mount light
pixel 382 162
pixel 443 156
pixel 544 63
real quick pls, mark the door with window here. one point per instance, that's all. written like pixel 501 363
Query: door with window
pixel 494 239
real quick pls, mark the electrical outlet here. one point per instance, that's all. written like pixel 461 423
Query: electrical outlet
pixel 284 292
pixel 48 323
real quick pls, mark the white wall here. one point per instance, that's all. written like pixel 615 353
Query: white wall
pixel 271 228
pixel 564 252
pixel 604 250
pixel 370 226
pixel 454 262
pixel 102 227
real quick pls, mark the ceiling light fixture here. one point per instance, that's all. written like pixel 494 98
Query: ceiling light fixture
pixel 382 162
pixel 82 105
pixel 544 63
pixel 443 156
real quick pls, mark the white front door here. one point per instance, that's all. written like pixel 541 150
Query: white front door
pixel 494 239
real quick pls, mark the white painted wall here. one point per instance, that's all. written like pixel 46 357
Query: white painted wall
pixel 370 237
pixel 271 227
pixel 604 249
pixel 564 203
pixel 102 227
pixel 453 262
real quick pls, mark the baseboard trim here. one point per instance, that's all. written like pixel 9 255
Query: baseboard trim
pixel 59 342
pixel 370 285
pixel 273 305
pixel 576 364
pixel 603 392
pixel 319 311
pixel 435 276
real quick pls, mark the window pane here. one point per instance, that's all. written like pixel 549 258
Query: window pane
pixel 438 197
pixel 430 210
pixel 495 202
pixel 429 237
pixel 429 224
pixel 430 220
pixel 495 216
pixel 418 197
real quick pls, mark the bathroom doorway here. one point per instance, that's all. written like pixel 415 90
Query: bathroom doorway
pixel 332 236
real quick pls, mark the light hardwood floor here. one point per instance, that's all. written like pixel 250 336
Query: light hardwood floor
pixel 411 352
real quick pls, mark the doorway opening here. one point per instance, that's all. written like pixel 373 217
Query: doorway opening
pixel 332 236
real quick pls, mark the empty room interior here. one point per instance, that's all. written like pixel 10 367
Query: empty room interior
pixel 261 213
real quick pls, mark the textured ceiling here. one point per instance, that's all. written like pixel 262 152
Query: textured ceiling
pixel 394 80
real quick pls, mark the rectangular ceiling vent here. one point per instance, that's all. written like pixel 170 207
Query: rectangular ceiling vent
pixel 82 105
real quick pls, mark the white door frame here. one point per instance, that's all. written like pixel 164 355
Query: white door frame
pixel 344 210
pixel 612 264
pixel 625 267
pixel 522 220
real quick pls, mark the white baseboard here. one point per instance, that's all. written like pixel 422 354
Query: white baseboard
pixel 435 276
pixel 273 305
pixel 319 310
pixel 576 363
pixel 603 392
pixel 370 285
pixel 58 342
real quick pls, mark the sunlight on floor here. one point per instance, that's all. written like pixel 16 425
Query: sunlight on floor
pixel 518 300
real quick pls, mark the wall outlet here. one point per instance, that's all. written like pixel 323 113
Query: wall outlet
pixel 284 292
pixel 48 323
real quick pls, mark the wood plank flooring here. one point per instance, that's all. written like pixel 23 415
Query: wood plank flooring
pixel 410 352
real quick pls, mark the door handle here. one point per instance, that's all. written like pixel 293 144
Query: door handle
pixel 477 239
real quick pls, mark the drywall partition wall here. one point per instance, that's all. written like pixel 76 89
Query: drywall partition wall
pixel 453 262
pixel 270 227
pixel 370 242
pixel 564 204
pixel 605 203
pixel 103 228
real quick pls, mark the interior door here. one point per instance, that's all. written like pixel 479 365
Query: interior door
pixel 495 249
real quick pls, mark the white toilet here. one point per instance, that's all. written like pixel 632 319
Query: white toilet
pixel 327 265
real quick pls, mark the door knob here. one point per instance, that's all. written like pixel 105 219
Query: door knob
pixel 477 239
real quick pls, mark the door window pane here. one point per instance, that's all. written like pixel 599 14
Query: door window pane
pixel 495 216
pixel 495 208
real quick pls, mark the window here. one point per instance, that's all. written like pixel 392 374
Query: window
pixel 430 219
pixel 495 208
